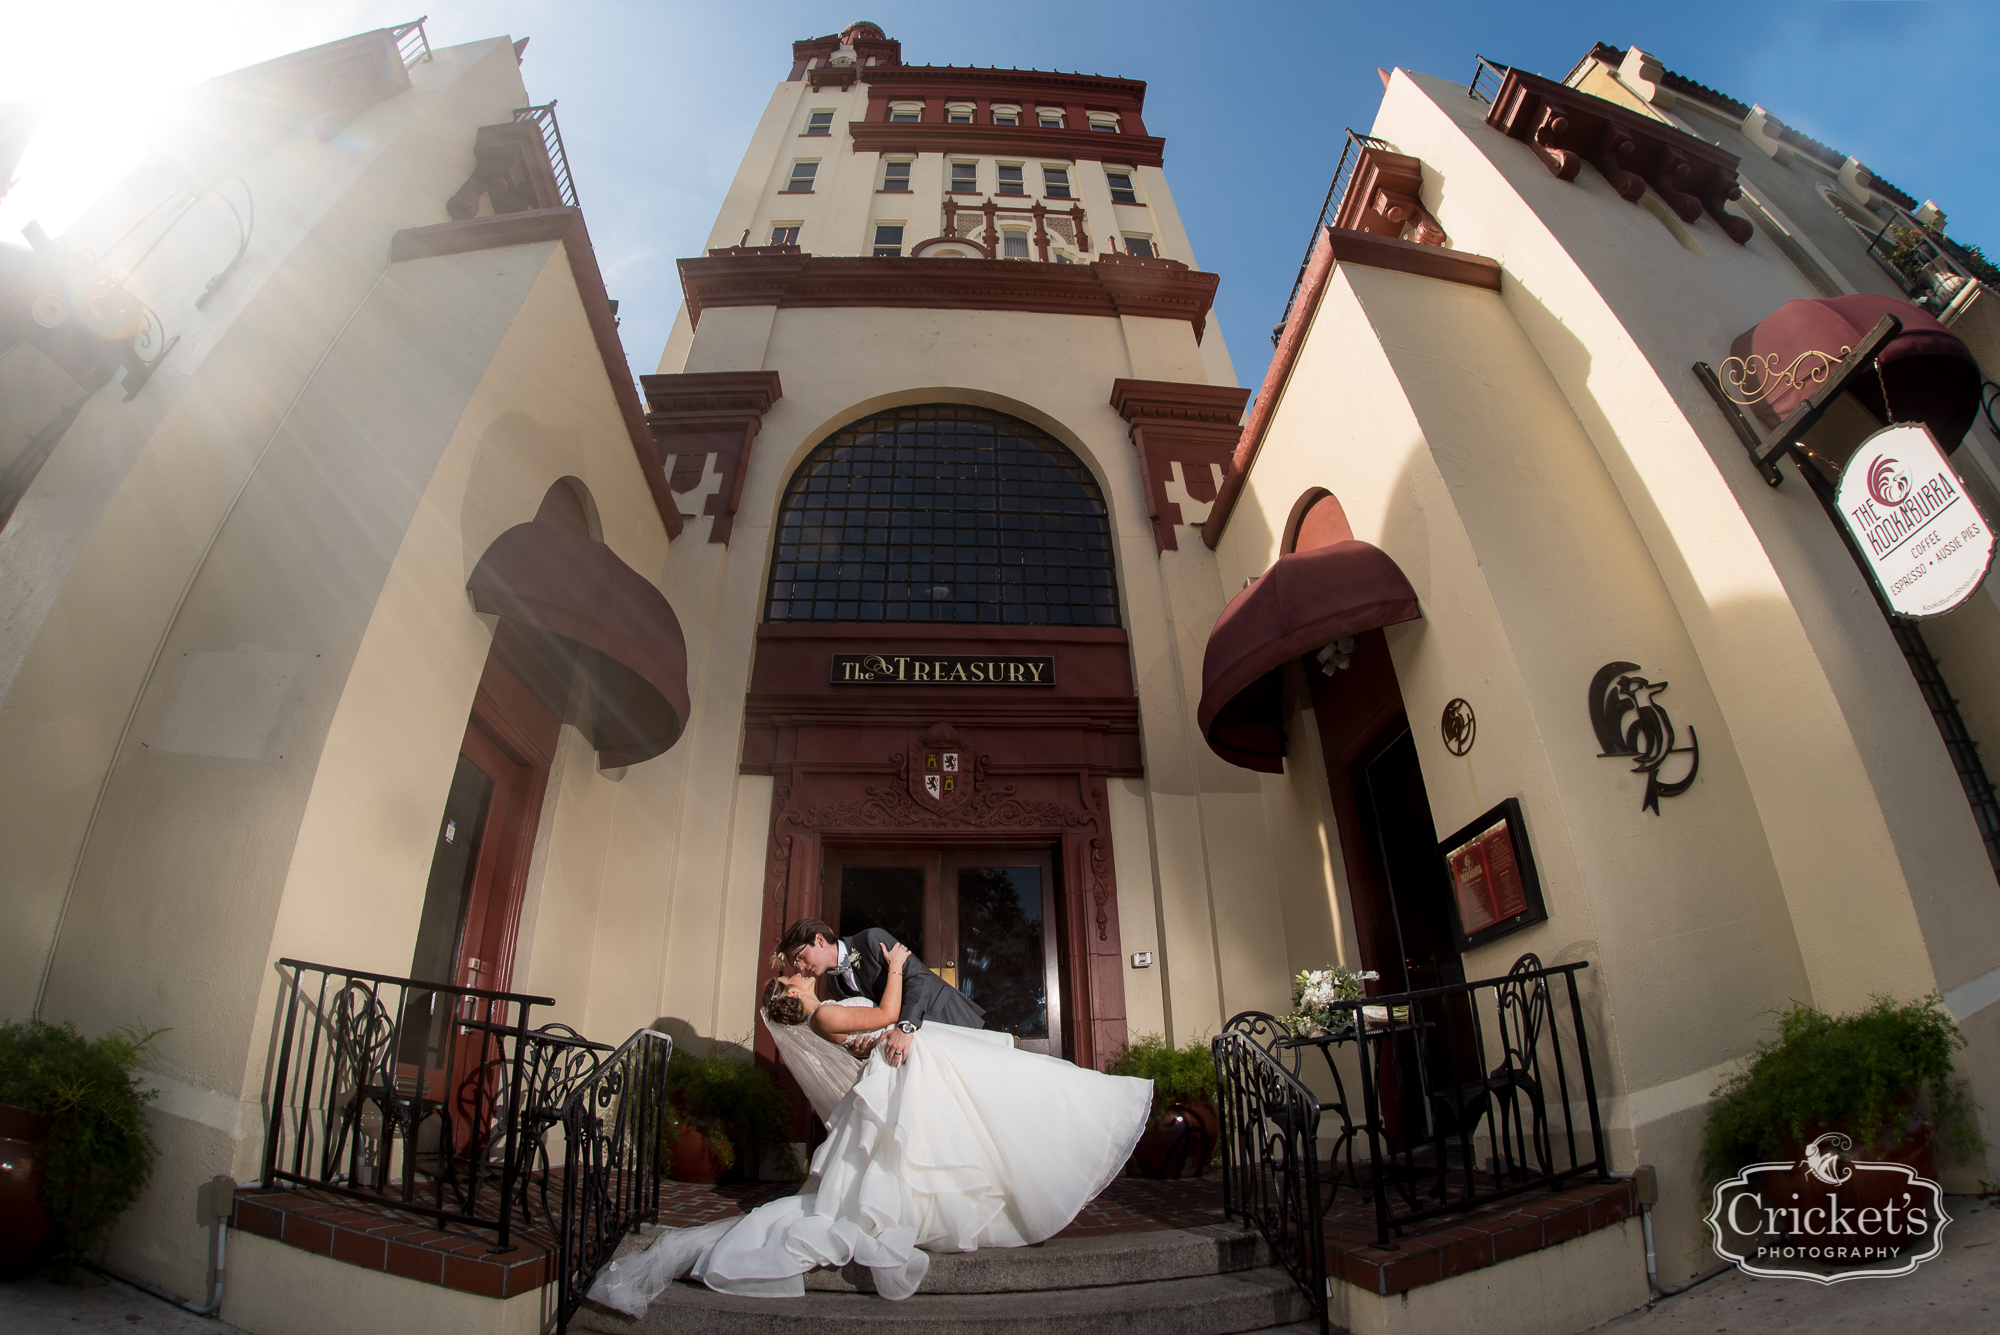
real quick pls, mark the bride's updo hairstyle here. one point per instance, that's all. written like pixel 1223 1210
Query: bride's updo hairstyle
pixel 780 1006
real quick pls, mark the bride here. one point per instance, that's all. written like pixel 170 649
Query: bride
pixel 968 1143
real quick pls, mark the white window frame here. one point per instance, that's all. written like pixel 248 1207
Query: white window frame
pixel 1049 187
pixel 793 226
pixel 1144 238
pixel 1043 115
pixel 1104 122
pixel 1027 243
pixel 909 166
pixel 877 245
pixel 791 186
pixel 951 177
pixel 823 131
pixel 906 113
pixel 1131 184
pixel 954 110
pixel 1004 109
pixel 1000 181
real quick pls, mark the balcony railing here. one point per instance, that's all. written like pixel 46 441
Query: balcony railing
pixel 611 1182
pixel 983 222
pixel 544 117
pixel 1470 1093
pixel 1486 79
pixel 413 44
pixel 1336 193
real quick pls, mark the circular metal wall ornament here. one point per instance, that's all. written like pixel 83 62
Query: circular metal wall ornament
pixel 1458 726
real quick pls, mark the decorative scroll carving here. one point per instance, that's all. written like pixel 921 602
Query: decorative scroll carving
pixel 1195 426
pixel 716 413
pixel 1565 127
pixel 1383 198
pixel 1751 379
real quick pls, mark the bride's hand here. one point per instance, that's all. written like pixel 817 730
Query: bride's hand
pixel 896 955
pixel 862 1044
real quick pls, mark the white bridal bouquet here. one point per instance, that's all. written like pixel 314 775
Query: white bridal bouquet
pixel 1314 994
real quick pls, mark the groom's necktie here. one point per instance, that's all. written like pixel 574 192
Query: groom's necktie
pixel 845 973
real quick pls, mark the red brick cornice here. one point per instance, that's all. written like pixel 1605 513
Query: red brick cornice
pixel 916 80
pixel 1000 140
pixel 1115 285
pixel 566 226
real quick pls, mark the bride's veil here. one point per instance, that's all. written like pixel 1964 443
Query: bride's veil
pixel 825 1071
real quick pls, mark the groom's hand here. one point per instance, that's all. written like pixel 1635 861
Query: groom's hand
pixel 896 1046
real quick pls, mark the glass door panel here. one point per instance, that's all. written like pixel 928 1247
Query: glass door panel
pixel 1000 947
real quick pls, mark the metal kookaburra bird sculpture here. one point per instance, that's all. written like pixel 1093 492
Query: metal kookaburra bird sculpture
pixel 1630 721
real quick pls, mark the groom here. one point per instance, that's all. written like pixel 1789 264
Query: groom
pixel 855 966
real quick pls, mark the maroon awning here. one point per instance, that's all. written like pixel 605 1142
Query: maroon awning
pixel 602 616
pixel 1304 602
pixel 1930 374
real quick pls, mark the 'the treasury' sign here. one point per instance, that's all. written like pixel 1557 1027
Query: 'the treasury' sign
pixel 1923 538
pixel 941 670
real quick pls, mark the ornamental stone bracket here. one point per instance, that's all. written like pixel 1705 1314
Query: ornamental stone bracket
pixel 702 415
pixel 1383 198
pixel 511 171
pixel 1566 128
pixel 1173 423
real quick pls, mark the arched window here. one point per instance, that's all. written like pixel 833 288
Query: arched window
pixel 943 513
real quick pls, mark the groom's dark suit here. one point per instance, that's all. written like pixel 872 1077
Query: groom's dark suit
pixel 925 995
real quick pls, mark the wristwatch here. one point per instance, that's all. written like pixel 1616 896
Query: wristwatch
pixel 907 1026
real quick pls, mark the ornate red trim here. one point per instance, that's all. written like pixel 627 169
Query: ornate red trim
pixel 1195 426
pixel 1114 285
pixel 566 226
pixel 1566 128
pixel 698 414
pixel 1384 197
pixel 1029 141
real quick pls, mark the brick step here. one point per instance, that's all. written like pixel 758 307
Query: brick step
pixel 1221 1304
pixel 1075 1263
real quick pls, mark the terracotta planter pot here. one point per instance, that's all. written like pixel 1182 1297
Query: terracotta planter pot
pixel 693 1160
pixel 24 1225
pixel 1178 1144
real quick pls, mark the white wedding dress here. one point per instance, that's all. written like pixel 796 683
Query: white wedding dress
pixel 970 1143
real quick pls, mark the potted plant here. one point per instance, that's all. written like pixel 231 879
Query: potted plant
pixel 1184 1129
pixel 72 1111
pixel 723 1113
pixel 1883 1077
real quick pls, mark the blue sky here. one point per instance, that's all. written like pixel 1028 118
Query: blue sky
pixel 657 100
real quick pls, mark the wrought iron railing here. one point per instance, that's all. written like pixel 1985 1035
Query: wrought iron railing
pixel 413 44
pixel 418 1096
pixel 1336 193
pixel 1470 1093
pixel 1270 1159
pixel 1486 79
pixel 544 117
pixel 611 1182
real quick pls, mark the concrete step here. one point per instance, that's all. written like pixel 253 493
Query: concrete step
pixel 1221 1304
pixel 1075 1263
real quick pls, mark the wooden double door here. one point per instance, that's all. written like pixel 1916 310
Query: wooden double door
pixel 985 920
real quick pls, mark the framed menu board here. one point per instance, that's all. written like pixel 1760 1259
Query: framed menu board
pixel 1492 873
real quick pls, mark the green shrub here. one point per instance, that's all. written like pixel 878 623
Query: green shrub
pixel 100 1153
pixel 1178 1074
pixel 1852 1071
pixel 734 1103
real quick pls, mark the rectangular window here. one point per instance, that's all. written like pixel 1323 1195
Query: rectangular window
pixel 1013 245
pixel 1140 246
pixel 802 178
pixel 1104 124
pixel 785 234
pixel 1006 116
pixel 888 240
pixel 958 116
pixel 820 122
pixel 895 176
pixel 1010 180
pixel 965 178
pixel 1055 182
pixel 906 112
pixel 1121 188
pixel 1050 120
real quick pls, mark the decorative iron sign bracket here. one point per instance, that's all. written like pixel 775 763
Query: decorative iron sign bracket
pixel 1767 447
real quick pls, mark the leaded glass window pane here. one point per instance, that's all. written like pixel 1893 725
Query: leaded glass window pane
pixel 943 513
